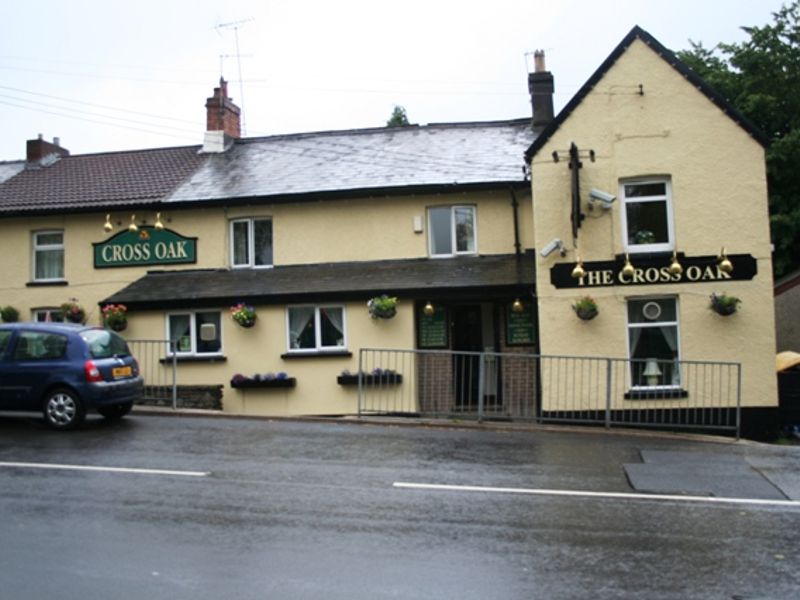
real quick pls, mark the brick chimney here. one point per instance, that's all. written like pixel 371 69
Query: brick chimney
pixel 221 113
pixel 540 86
pixel 42 152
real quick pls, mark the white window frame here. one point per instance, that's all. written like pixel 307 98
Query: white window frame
pixel 453 241
pixel 251 243
pixel 667 197
pixel 193 333
pixel 318 347
pixel 37 247
pixel 43 315
pixel 629 326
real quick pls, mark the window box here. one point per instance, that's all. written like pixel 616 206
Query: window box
pixel 289 382
pixel 370 379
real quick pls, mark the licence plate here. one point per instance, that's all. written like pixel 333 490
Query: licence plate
pixel 119 372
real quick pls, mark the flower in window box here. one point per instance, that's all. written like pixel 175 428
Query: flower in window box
pixel 585 308
pixel 73 312
pixel 723 304
pixel 115 316
pixel 9 314
pixel 243 314
pixel 382 307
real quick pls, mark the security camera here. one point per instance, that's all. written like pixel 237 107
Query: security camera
pixel 604 198
pixel 554 245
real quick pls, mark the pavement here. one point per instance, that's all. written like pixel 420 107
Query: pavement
pixel 713 466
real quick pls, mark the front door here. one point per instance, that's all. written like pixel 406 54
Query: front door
pixel 467 337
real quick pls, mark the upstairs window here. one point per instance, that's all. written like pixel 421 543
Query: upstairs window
pixel 251 243
pixel 647 215
pixel 48 256
pixel 451 230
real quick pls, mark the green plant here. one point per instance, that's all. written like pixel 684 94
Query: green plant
pixel 723 304
pixel 382 307
pixel 585 308
pixel 73 312
pixel 115 316
pixel 9 314
pixel 243 314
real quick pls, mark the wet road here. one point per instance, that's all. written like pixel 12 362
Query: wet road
pixel 258 509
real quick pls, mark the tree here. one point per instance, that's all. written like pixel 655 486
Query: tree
pixel 398 118
pixel 761 78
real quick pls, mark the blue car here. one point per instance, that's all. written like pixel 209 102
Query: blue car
pixel 64 369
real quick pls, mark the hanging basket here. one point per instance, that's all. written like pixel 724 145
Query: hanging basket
pixel 585 308
pixel 724 305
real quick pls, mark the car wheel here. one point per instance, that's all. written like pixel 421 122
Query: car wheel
pixel 115 411
pixel 63 409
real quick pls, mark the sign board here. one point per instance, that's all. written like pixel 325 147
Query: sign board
pixel 148 246
pixel 433 328
pixel 519 326
pixel 654 270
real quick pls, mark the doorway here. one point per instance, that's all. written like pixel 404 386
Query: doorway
pixel 467 333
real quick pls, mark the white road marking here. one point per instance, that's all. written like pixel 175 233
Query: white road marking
pixel 588 494
pixel 24 465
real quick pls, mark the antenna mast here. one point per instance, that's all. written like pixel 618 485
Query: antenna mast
pixel 235 26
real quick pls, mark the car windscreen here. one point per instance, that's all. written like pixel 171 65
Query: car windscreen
pixel 104 343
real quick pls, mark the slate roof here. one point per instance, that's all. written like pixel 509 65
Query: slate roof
pixel 418 278
pixel 666 54
pixel 366 160
pixel 92 181
pixel 276 168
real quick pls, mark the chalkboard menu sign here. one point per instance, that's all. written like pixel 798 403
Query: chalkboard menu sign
pixel 519 326
pixel 433 328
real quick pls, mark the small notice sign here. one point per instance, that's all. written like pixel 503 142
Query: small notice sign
pixel 520 326
pixel 433 328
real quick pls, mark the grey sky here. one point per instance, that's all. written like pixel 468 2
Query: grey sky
pixel 105 75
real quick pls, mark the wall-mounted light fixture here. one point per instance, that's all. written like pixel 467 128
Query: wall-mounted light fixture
pixel 158 225
pixel 428 309
pixel 578 272
pixel 627 268
pixel 675 267
pixel 725 265
pixel 517 306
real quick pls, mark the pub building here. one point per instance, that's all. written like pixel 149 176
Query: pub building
pixel 647 192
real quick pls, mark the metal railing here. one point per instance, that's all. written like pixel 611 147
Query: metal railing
pixel 667 394
pixel 158 364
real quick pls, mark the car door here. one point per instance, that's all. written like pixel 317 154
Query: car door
pixel 6 336
pixel 33 359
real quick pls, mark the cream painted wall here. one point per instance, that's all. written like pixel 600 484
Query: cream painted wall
pixel 719 198
pixel 260 349
pixel 342 230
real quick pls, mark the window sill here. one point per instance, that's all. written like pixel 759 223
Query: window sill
pixel 47 283
pixel 196 358
pixel 319 354
pixel 656 394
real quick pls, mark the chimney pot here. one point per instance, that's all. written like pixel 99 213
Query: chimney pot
pixel 538 62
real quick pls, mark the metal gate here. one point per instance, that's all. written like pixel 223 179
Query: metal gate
pixel 158 364
pixel 667 394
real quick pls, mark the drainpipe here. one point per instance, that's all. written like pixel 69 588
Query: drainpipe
pixel 515 208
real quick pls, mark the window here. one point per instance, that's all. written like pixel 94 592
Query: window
pixel 647 215
pixel 48 315
pixel 451 230
pixel 653 342
pixel 316 328
pixel 195 333
pixel 40 346
pixel 48 256
pixel 251 243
